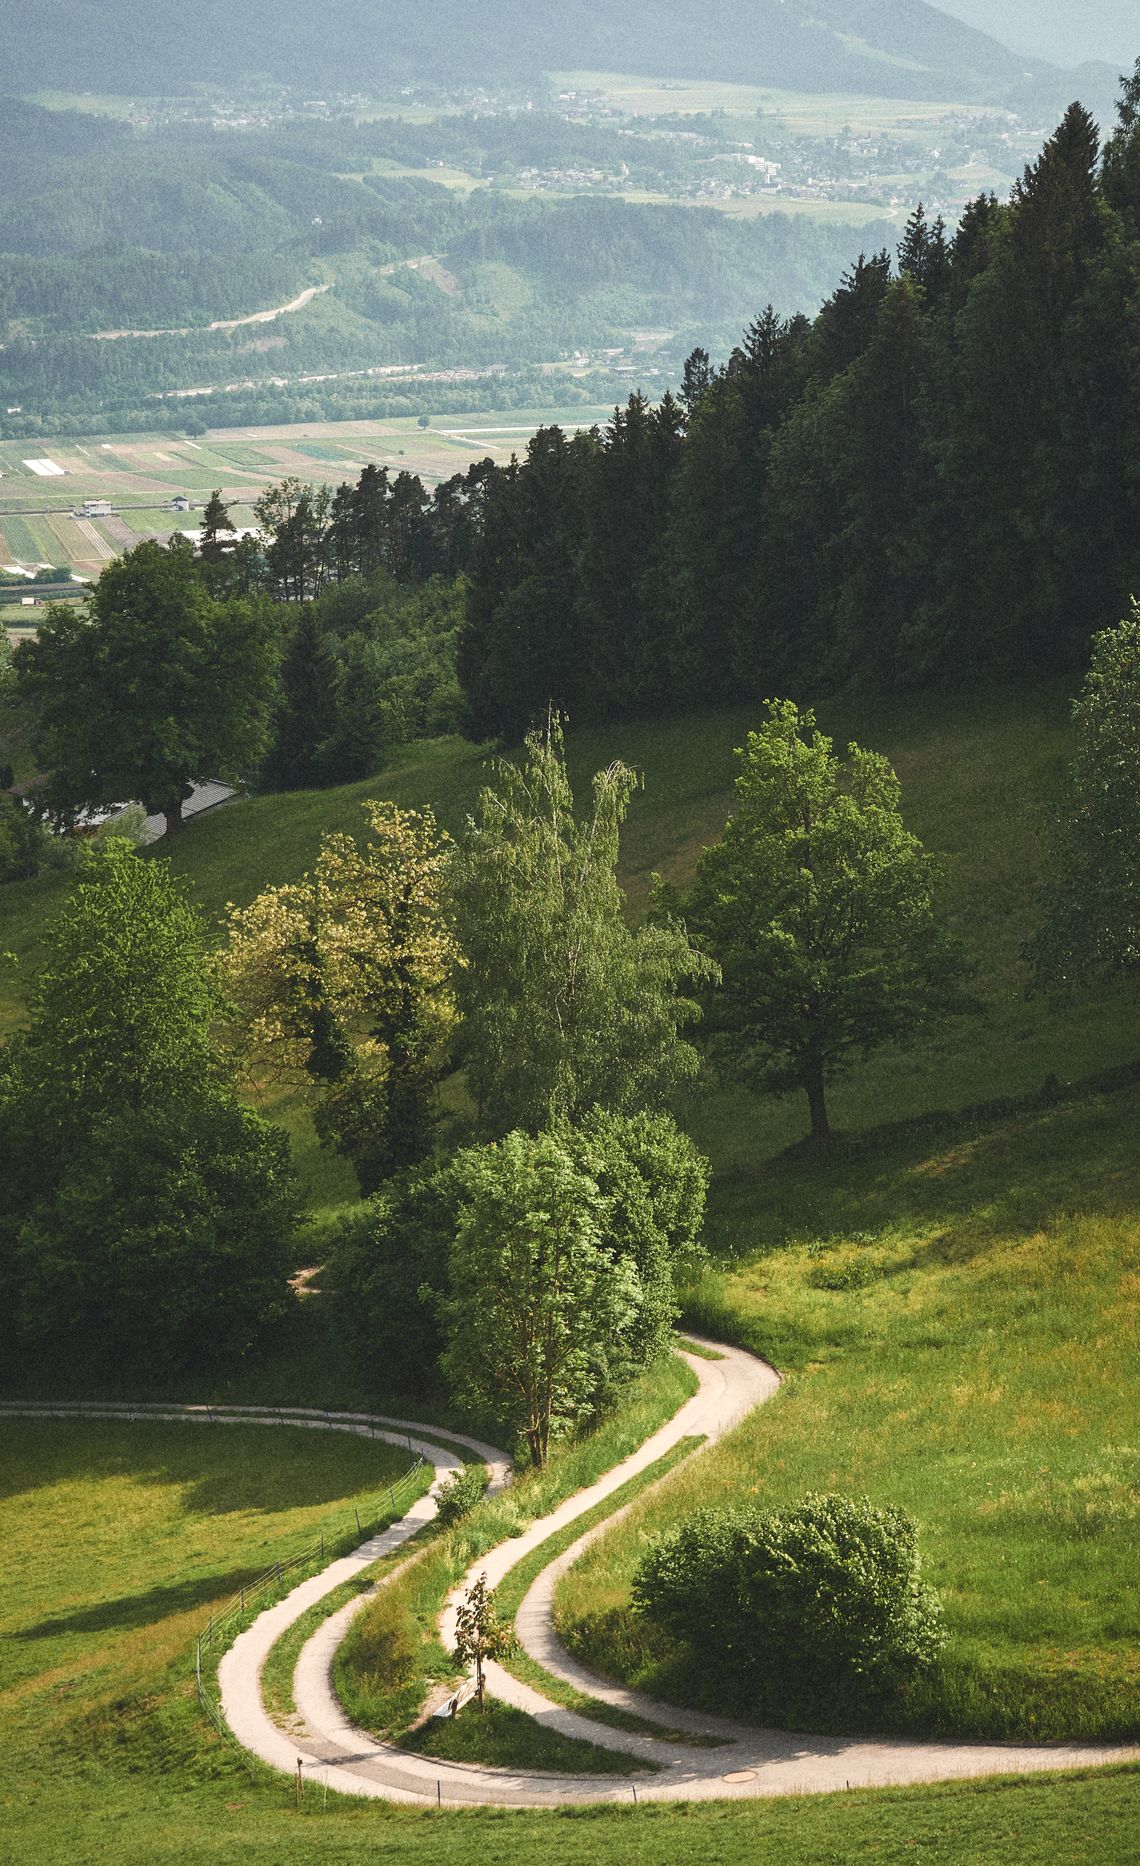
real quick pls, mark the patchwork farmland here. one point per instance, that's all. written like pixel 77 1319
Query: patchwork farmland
pixel 139 475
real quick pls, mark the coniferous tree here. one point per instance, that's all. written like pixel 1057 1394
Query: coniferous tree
pixel 305 720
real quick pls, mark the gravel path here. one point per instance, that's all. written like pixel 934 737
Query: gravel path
pixel 745 1763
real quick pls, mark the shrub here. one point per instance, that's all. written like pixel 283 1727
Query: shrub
pixel 387 1264
pixel 459 1493
pixel 827 1590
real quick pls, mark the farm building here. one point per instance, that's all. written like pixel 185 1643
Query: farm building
pixel 180 503
pixel 97 508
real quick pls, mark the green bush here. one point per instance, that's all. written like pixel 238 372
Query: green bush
pixel 459 1493
pixel 828 1590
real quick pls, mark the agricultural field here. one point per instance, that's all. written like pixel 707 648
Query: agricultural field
pixel 140 474
pixel 800 113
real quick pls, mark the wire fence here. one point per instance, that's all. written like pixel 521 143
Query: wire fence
pixel 220 1628
pixel 223 1625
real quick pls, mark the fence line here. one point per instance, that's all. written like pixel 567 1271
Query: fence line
pixel 219 1624
pixel 372 1424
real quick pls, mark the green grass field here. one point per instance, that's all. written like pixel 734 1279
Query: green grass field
pixel 953 1298
pixel 117 1541
pixel 956 1309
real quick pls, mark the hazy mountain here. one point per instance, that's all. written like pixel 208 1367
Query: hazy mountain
pixel 895 47
pixel 1070 32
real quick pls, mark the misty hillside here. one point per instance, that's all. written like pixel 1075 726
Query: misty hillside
pixel 885 47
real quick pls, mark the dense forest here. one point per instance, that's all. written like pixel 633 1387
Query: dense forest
pixel 897 47
pixel 934 479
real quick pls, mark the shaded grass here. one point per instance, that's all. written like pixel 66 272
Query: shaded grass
pixel 957 1309
pixel 507 1738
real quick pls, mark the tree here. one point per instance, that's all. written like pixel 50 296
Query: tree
pixel 1091 923
pixel 654 1184
pixel 563 1006
pixel 387 1270
pixel 122 1011
pixel 216 535
pixel 146 1215
pixel 344 982
pixel 156 688
pixel 296 518
pixel 820 907
pixel 538 1320
pixel 164 1245
pixel 479 1633
pixel 305 717
pixel 21 840
pixel 1122 154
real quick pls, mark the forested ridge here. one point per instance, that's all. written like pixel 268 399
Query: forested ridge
pixel 934 479
pixel 897 47
pixel 104 230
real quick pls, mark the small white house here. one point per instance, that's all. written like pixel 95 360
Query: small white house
pixel 180 503
pixel 98 508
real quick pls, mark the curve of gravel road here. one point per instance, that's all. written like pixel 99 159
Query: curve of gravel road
pixel 746 1762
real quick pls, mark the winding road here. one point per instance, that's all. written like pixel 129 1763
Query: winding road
pixel 745 1762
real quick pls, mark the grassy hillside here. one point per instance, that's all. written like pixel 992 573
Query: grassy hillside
pixel 953 1299
pixel 120 1538
pixel 955 1307
pixel 978 776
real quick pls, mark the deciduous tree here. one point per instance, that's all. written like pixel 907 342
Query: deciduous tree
pixel 821 908
pixel 563 1006
pixel 344 981
pixel 158 686
pixel 539 1316
pixel 145 1217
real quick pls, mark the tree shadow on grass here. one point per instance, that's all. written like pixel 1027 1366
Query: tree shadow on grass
pixel 131 1611
pixel 222 1470
pixel 972 1178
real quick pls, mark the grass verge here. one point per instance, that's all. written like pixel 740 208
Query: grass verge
pixel 511 1593
pixel 501 1737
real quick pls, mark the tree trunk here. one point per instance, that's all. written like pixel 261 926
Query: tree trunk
pixel 479 1678
pixel 817 1099
pixel 174 817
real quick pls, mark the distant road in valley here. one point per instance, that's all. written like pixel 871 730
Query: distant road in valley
pixel 232 323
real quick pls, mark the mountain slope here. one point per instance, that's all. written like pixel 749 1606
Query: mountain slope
pixel 892 47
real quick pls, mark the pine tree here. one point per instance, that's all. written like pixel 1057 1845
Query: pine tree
pixel 305 720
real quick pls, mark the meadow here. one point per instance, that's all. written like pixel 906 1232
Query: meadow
pixel 951 1292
